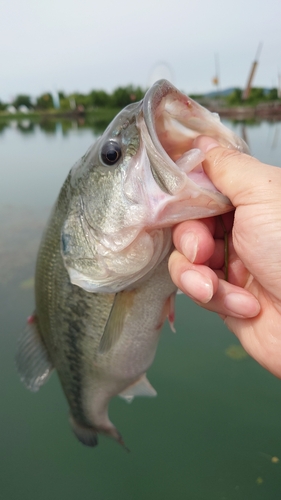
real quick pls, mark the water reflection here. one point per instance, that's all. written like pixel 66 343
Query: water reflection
pixel 256 133
pixel 50 125
pixel 25 126
pixel 20 230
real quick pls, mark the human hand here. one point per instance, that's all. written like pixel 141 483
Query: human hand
pixel 250 302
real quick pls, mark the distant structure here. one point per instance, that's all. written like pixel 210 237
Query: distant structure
pixel 160 70
pixel 247 90
pixel 56 99
pixel 11 109
pixel 23 109
pixel 216 78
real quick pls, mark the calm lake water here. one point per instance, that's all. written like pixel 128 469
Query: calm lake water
pixel 213 432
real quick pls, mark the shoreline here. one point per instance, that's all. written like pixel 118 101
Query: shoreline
pixel 260 111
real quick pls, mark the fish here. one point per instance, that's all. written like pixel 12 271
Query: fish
pixel 102 286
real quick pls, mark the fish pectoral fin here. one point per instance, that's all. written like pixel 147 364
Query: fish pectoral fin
pixel 32 358
pixel 114 326
pixel 140 388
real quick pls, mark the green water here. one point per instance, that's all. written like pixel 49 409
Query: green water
pixel 214 430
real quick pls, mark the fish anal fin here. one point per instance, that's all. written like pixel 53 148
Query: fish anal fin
pixel 114 326
pixel 32 358
pixel 140 388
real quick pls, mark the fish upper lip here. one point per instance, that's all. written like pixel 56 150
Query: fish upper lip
pixel 152 99
pixel 173 121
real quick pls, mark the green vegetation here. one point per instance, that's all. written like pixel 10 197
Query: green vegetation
pixel 22 100
pixel 63 103
pixel 234 99
pixel 257 96
pixel 45 101
pixel 122 96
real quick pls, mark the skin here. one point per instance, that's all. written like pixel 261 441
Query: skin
pixel 250 302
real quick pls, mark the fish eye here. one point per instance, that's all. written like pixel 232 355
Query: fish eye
pixel 110 153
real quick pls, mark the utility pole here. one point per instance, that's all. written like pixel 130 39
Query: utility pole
pixel 279 86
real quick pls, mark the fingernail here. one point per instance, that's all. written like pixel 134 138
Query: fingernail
pixel 208 143
pixel 242 304
pixel 189 245
pixel 197 286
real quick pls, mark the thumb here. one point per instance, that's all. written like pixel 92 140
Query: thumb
pixel 240 177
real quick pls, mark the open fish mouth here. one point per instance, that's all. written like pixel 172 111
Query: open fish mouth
pixel 173 121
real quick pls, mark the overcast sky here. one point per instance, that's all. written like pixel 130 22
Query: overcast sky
pixel 48 45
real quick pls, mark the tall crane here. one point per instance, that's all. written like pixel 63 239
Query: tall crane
pixel 246 92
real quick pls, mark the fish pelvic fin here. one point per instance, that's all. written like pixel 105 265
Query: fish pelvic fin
pixel 140 388
pixel 171 311
pixel 89 435
pixel 32 359
pixel 168 311
pixel 114 326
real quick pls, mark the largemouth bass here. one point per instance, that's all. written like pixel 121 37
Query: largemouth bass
pixel 102 285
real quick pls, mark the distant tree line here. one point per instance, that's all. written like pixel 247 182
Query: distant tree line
pixel 122 96
pixel 256 96
pixel 119 98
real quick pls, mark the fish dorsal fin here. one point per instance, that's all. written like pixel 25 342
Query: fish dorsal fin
pixel 114 326
pixel 32 358
pixel 140 388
